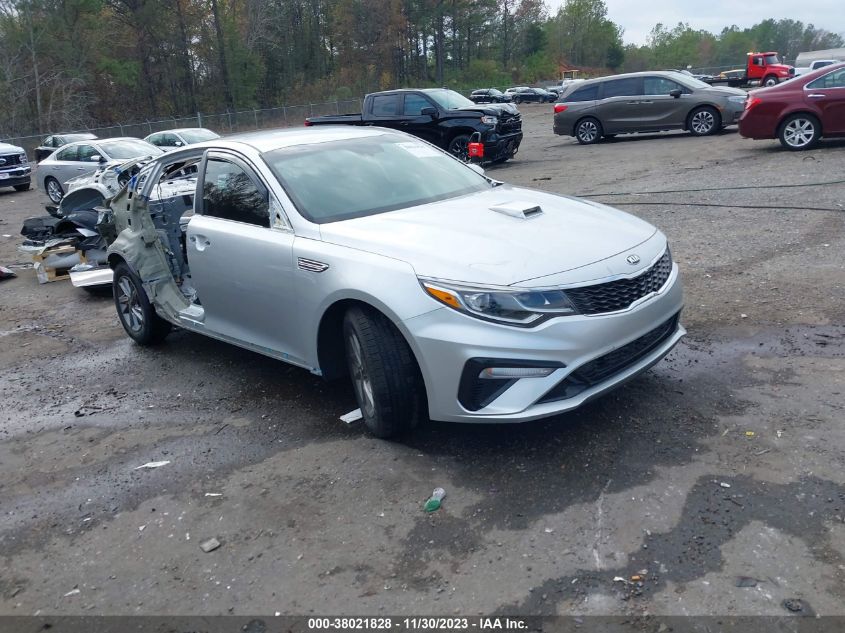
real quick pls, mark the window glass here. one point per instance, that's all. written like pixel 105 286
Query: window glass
pixel 169 140
pixel 630 87
pixel 198 135
pixel 448 99
pixel 48 142
pixel 385 105
pixel 85 152
pixel 229 193
pixel 129 148
pixel 587 93
pixel 68 153
pixel 344 179
pixel 414 104
pixel 660 86
pixel 836 79
pixel 155 139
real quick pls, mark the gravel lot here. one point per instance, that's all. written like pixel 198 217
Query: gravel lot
pixel 725 460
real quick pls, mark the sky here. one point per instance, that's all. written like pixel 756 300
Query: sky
pixel 638 17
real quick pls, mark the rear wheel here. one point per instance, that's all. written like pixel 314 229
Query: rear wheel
pixel 459 147
pixel 136 313
pixel 54 189
pixel 588 131
pixel 799 132
pixel 703 121
pixel 384 373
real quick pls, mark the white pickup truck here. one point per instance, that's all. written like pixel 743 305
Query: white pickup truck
pixel 815 65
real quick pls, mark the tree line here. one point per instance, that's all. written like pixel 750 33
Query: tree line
pixel 69 64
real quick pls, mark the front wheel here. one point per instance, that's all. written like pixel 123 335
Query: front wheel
pixel 136 313
pixel 459 147
pixel 771 80
pixel 588 131
pixel 704 121
pixel 387 382
pixel 799 132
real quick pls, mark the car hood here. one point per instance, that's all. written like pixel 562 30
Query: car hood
pixel 6 148
pixel 464 239
pixel 491 109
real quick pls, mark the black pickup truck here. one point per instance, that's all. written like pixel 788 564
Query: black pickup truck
pixel 442 117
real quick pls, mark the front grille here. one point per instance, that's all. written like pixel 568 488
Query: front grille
pixel 10 159
pixel 619 294
pixel 510 125
pixel 612 363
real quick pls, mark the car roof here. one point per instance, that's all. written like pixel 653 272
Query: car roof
pixel 98 141
pixel 269 140
pixel 179 129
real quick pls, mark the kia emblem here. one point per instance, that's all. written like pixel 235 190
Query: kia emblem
pixel 633 259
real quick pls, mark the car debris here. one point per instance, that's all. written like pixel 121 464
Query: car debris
pixel 7 273
pixel 152 465
pixel 352 416
pixel 209 545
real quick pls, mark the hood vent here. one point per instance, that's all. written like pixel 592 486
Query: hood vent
pixel 515 209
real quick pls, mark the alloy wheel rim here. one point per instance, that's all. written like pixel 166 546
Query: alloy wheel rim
pixel 460 148
pixel 588 131
pixel 702 122
pixel 360 377
pixel 129 304
pixel 799 133
pixel 53 191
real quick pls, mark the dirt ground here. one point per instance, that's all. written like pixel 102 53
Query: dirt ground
pixel 724 461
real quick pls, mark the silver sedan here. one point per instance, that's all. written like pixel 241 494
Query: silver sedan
pixel 83 158
pixel 367 253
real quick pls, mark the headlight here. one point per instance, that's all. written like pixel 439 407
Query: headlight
pixel 24 159
pixel 737 99
pixel 513 307
pixel 489 120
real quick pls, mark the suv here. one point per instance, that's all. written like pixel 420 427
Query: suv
pixel 14 167
pixel 645 102
pixel 489 95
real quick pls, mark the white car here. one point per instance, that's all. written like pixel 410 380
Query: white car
pixel 83 158
pixel 168 139
pixel 368 253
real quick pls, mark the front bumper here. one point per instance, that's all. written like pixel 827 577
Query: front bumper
pixel 499 146
pixel 445 341
pixel 14 177
pixel 732 113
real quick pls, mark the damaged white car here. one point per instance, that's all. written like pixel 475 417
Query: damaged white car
pixel 368 253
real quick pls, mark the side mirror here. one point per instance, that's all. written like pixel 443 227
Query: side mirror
pixel 96 158
pixel 677 92
pixel 429 111
pixel 178 143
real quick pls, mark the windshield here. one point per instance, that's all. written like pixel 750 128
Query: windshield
pixel 352 178
pixel 771 59
pixel 449 99
pixel 130 149
pixel 495 92
pixel 72 138
pixel 198 135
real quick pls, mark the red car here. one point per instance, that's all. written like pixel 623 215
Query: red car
pixel 798 111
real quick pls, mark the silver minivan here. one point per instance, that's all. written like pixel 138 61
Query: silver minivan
pixel 645 102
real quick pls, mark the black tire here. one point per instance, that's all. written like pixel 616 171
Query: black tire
pixel 136 313
pixel 459 147
pixel 703 121
pixel 799 132
pixel 517 100
pixel 588 131
pixel 54 189
pixel 387 381
pixel 770 80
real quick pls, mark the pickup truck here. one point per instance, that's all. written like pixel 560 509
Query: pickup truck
pixel 815 65
pixel 442 117
pixel 761 69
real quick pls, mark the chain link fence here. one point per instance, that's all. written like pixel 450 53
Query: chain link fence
pixel 223 123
